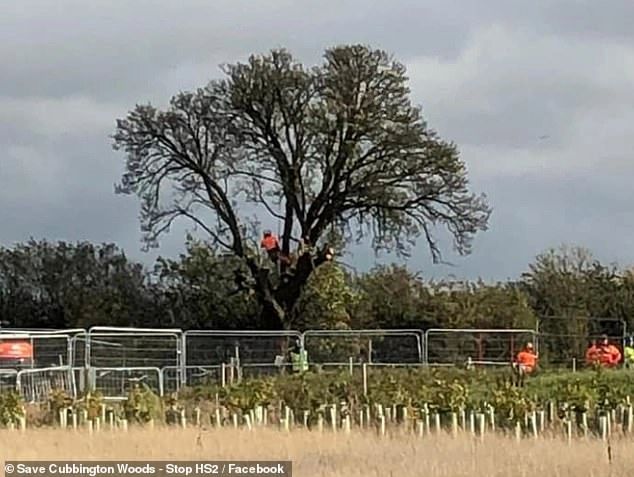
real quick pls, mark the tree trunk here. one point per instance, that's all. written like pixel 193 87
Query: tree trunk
pixel 278 303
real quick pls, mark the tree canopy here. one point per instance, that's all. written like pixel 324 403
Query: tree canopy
pixel 339 146
pixel 61 285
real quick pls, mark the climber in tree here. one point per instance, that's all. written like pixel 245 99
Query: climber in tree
pixel 271 244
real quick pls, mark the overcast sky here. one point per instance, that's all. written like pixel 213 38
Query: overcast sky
pixel 538 95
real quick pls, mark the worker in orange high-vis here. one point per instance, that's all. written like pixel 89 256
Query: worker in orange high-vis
pixel 604 354
pixel 271 245
pixel 527 359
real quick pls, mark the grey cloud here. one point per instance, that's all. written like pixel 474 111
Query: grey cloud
pixel 510 88
pixel 581 19
pixel 118 49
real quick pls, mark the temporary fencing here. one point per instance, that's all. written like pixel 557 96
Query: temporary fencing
pixel 251 352
pixel 342 347
pixel 50 347
pixel 36 385
pixel 133 347
pixel 118 358
pixel 48 368
pixel 475 346
pixel 112 360
pixel 116 383
pixel 565 339
pixel 8 380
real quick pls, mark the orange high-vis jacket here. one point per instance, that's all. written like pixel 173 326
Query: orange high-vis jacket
pixel 610 356
pixel 270 243
pixel 592 354
pixel 527 359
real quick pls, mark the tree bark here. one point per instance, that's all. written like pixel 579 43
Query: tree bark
pixel 278 303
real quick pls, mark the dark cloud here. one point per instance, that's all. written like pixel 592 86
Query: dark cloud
pixel 537 95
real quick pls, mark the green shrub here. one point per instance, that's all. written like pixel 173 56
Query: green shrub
pixel 143 405
pixel 441 390
pixel 11 408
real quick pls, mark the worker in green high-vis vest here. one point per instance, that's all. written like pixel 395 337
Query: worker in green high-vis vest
pixel 299 358
pixel 628 353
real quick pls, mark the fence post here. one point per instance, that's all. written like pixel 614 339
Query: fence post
pixel 232 366
pixel 237 363
pixel 73 383
pixel 183 359
pixel 537 337
pixel 91 380
pixel 426 348
pixel 69 352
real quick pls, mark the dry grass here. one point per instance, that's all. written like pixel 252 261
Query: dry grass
pixel 316 455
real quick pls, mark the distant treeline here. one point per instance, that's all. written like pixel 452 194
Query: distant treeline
pixel 63 285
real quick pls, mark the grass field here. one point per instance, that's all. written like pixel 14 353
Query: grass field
pixel 315 455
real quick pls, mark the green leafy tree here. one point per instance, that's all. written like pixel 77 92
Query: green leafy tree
pixel 477 304
pixel 59 285
pixel 559 280
pixel 390 297
pixel 577 298
pixel 394 297
pixel 198 288
pixel 327 300
pixel 339 146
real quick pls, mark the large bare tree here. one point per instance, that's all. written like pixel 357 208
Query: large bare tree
pixel 339 147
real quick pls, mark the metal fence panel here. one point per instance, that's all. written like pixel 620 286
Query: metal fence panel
pixel 36 385
pixel 117 382
pixel 49 349
pixel 566 338
pixel 8 380
pixel 338 347
pixel 109 347
pixel 253 352
pixel 478 346
pixel 113 359
pixel 194 376
pixel 80 375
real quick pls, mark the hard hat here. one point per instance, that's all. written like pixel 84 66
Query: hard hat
pixel 529 345
pixel 267 232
